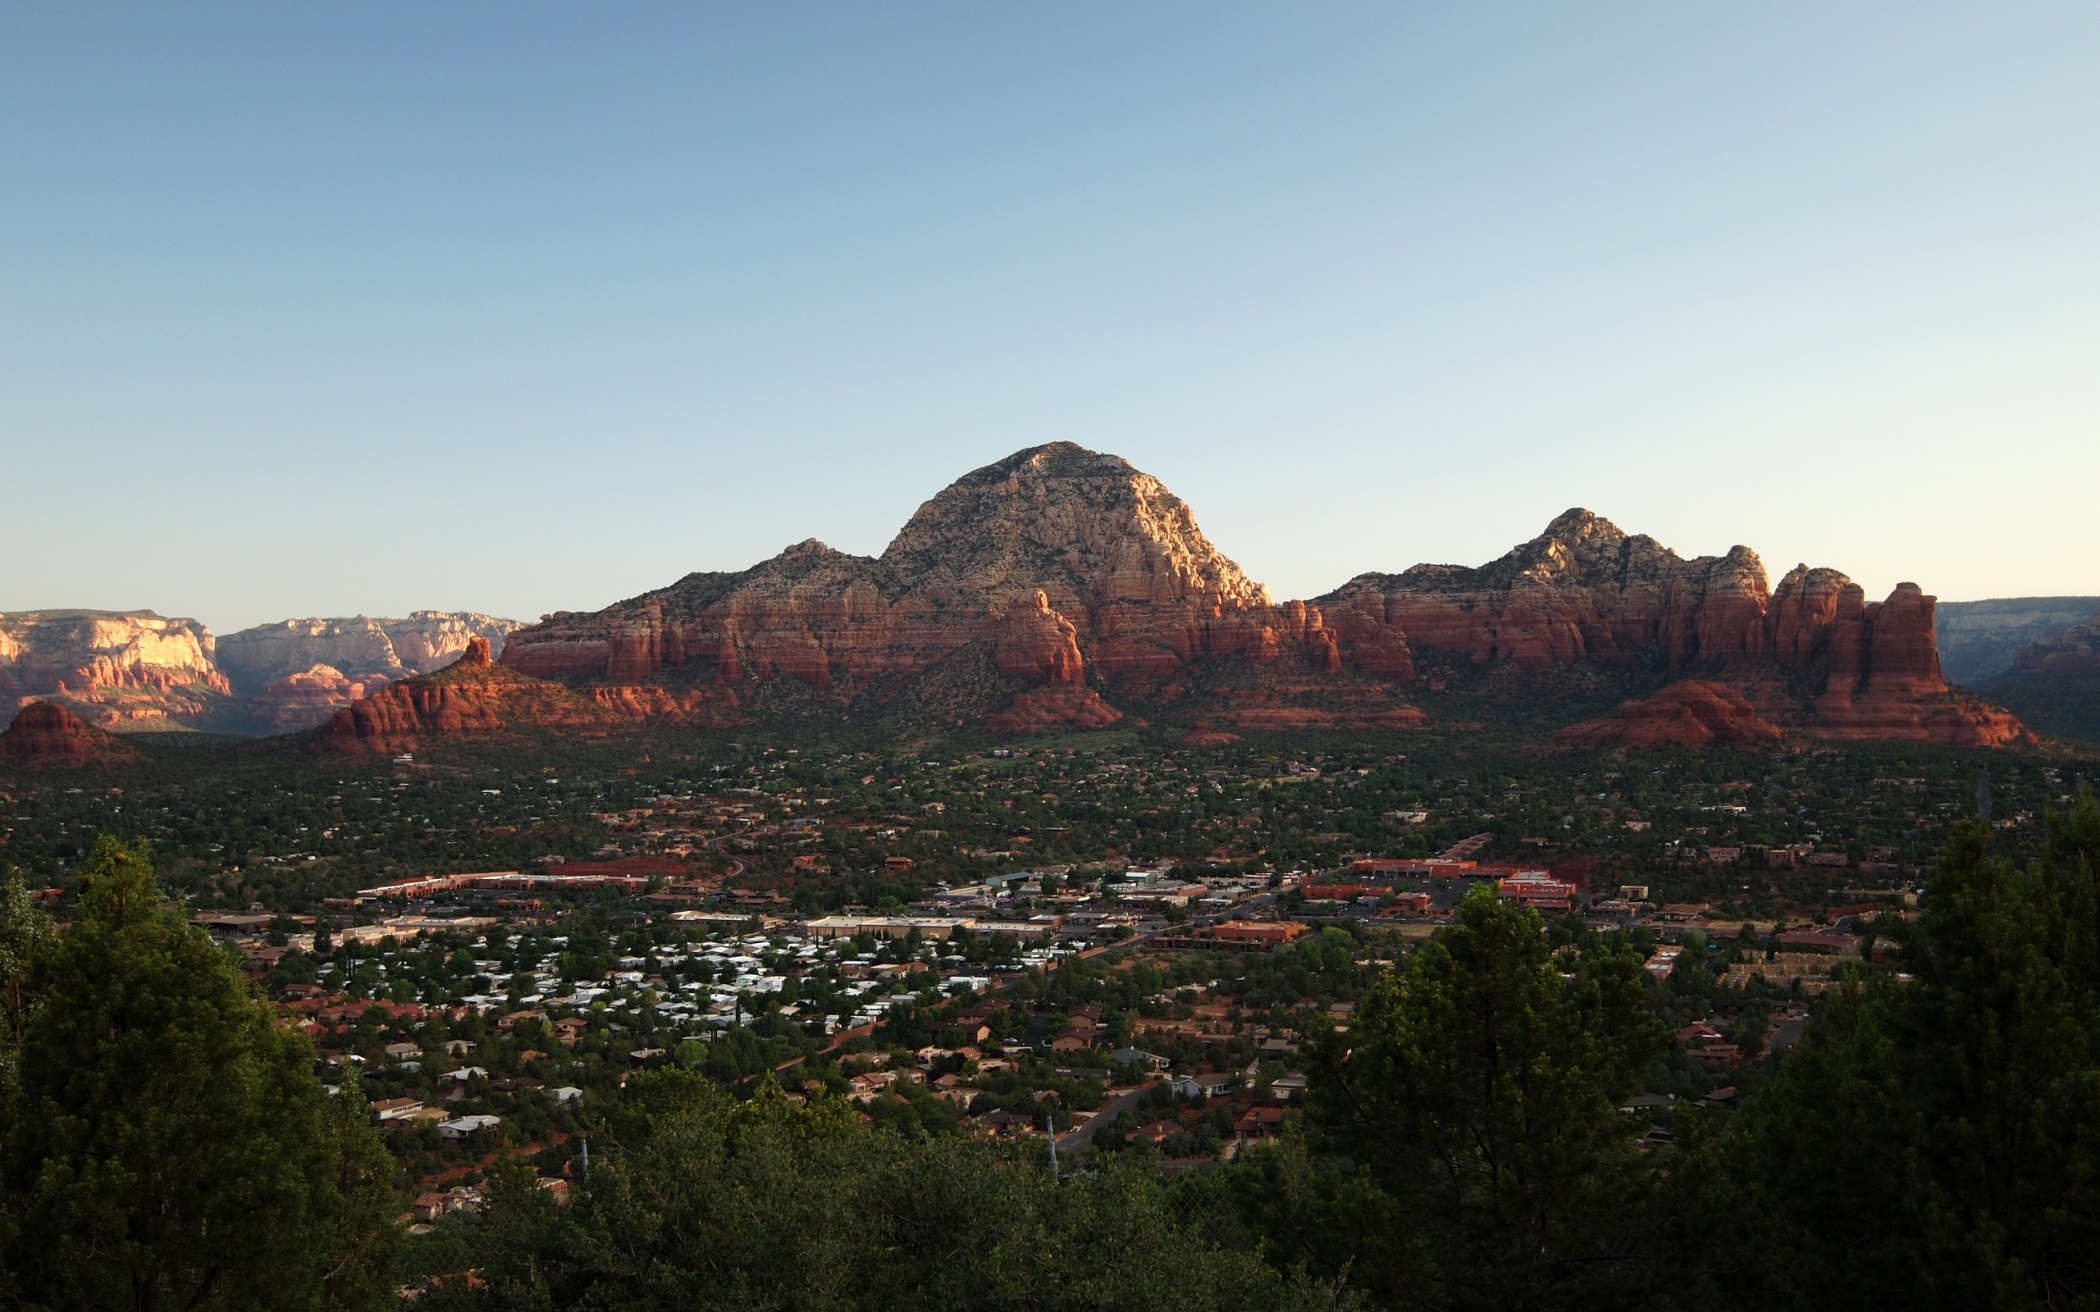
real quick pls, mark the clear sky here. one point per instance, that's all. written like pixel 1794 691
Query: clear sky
pixel 325 309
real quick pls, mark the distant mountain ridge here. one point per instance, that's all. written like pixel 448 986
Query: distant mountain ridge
pixel 1979 640
pixel 1064 586
pixel 137 671
pixel 2054 681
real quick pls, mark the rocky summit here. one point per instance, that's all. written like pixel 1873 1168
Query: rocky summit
pixel 1062 586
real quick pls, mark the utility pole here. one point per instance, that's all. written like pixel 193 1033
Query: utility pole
pixel 586 1163
pixel 1050 1132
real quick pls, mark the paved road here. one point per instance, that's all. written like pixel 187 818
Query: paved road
pixel 714 845
pixel 1785 1035
pixel 1074 1140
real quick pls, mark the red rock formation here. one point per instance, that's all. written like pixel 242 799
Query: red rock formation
pixel 472 696
pixel 2074 651
pixel 1077 572
pixel 1581 590
pixel 1040 645
pixel 374 652
pixel 1054 708
pixel 1063 560
pixel 1586 591
pixel 1884 678
pixel 128 668
pixel 1693 713
pixel 696 708
pixel 45 733
pixel 308 698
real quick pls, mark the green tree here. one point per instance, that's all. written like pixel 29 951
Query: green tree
pixel 1936 1144
pixel 1465 1147
pixel 701 1203
pixel 171 1147
pixel 24 932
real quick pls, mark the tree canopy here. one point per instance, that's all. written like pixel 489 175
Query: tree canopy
pixel 167 1145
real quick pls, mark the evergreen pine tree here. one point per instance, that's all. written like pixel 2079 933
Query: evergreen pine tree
pixel 170 1146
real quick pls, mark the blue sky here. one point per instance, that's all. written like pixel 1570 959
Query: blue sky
pixel 327 309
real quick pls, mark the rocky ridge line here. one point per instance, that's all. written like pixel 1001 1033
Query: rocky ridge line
pixel 1080 574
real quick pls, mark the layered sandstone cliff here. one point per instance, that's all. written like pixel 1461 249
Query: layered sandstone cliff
pixel 357 647
pixel 44 733
pixel 472 696
pixel 307 698
pixel 1090 590
pixel 2074 651
pixel 1069 566
pixel 125 670
pixel 296 673
pixel 133 671
pixel 1813 653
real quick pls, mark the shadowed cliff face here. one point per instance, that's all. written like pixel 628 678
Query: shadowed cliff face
pixel 2074 651
pixel 1077 573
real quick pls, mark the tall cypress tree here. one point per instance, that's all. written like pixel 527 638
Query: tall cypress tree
pixel 169 1145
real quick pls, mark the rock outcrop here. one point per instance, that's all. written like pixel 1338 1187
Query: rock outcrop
pixel 1582 590
pixel 307 698
pixel 2074 651
pixel 44 733
pixel 1812 653
pixel 1980 640
pixel 122 670
pixel 1091 592
pixel 294 674
pixel 473 696
pixel 133 671
pixel 2054 683
pixel 1693 713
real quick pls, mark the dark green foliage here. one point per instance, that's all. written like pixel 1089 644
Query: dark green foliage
pixel 764 1205
pixel 1465 1149
pixel 167 1145
pixel 1937 1144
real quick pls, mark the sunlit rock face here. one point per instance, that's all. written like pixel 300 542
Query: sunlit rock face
pixel 1075 572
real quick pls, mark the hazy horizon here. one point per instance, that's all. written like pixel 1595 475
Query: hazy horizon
pixel 520 309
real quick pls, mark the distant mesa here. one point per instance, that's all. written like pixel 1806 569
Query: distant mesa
pixel 137 671
pixel 1981 640
pixel 295 674
pixel 358 647
pixel 46 734
pixel 129 671
pixel 2054 682
pixel 2074 651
